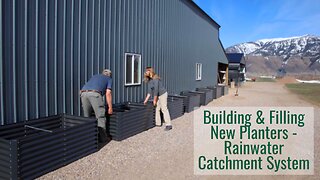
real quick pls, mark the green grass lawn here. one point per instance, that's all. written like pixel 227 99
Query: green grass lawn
pixel 260 79
pixel 310 92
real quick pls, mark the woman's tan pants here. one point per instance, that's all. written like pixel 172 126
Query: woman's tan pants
pixel 162 105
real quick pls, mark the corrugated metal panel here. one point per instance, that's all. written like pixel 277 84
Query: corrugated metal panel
pixel 1 70
pixel 33 148
pixel 130 119
pixel 50 48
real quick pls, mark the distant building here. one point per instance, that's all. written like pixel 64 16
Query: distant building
pixel 237 67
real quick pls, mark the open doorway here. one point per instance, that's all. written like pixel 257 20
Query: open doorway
pixel 222 75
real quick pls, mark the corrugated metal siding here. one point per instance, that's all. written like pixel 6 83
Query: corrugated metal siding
pixel 1 69
pixel 50 48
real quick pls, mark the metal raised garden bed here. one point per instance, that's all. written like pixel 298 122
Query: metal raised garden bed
pixel 214 91
pixel 219 91
pixel 224 89
pixel 203 100
pixel 175 106
pixel 129 119
pixel 208 94
pixel 183 98
pixel 192 100
pixel 35 147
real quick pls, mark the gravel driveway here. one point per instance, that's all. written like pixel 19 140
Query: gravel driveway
pixel 157 154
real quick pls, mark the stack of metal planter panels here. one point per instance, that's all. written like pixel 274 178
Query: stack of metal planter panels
pixel 35 147
pixel 175 106
pixel 129 119
pixel 209 94
pixel 192 100
pixel 214 91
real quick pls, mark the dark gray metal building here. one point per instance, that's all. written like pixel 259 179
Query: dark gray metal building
pixel 50 48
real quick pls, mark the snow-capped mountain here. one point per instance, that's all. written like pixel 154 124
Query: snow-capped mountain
pixel 307 46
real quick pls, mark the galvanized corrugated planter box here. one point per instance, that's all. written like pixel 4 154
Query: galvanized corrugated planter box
pixel 192 100
pixel 130 119
pixel 219 91
pixel 203 100
pixel 175 106
pixel 208 94
pixel 32 148
pixel 183 98
pixel 214 91
pixel 224 89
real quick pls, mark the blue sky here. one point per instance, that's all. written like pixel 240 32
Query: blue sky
pixel 251 20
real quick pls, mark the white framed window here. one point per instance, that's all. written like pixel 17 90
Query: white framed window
pixel 132 69
pixel 198 71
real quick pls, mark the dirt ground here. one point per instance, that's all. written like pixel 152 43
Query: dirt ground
pixel 287 79
pixel 156 154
